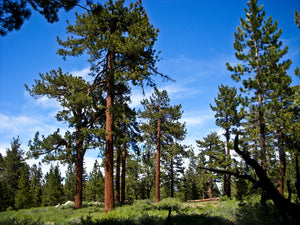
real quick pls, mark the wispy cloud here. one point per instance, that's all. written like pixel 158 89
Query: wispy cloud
pixel 84 73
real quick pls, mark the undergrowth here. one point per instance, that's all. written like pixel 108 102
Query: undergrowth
pixel 167 212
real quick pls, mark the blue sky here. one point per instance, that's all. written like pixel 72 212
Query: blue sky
pixel 196 39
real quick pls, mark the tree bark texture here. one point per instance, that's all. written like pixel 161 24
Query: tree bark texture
pixel 109 201
pixel 157 178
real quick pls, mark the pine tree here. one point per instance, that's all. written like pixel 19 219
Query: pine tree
pixel 81 109
pixel 95 184
pixel 4 196
pixel 147 171
pixel 14 13
pixel 119 41
pixel 36 185
pixel 213 149
pixel 53 188
pixel 133 184
pixel 162 127
pixel 70 183
pixel 23 198
pixel 257 45
pixel 13 163
pixel 228 118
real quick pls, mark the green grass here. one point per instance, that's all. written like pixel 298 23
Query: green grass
pixel 146 212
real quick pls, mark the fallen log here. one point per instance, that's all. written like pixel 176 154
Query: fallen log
pixel 205 200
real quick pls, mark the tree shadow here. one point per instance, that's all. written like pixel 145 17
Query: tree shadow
pixel 157 220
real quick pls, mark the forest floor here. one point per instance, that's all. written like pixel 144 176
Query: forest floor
pixel 167 212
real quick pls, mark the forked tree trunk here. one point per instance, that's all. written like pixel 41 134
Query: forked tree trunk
pixel 109 201
pixel 79 173
pixel 157 178
pixel 123 173
pixel 118 173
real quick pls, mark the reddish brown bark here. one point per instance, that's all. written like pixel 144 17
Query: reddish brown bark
pixel 157 175
pixel 118 174
pixel 109 201
pixel 123 173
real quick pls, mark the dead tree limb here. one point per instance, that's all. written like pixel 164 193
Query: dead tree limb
pixel 284 206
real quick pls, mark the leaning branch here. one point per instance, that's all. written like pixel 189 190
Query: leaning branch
pixel 237 175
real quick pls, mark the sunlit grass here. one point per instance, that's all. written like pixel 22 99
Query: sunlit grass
pixel 146 212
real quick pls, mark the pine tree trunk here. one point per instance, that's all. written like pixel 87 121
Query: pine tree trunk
pixel 157 179
pixel 118 174
pixel 79 174
pixel 123 173
pixel 109 201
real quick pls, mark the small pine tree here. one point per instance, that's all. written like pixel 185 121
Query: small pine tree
pixel 94 189
pixel 213 149
pixel 70 183
pixel 53 188
pixel 36 185
pixel 12 168
pixel 23 196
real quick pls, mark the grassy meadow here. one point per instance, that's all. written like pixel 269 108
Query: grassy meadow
pixel 167 212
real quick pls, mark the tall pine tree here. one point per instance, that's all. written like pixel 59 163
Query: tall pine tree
pixel 119 41
pixel 259 49
pixel 81 108
pixel 161 128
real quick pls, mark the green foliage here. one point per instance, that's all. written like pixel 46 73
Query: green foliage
pixel 14 13
pixel 36 185
pixel 53 188
pixel 23 198
pixel 70 183
pixel 11 169
pixel 146 212
pixel 252 212
pixel 94 189
pixel 162 129
pixel 123 31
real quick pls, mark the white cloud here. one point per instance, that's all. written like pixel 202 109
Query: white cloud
pixel 199 119
pixel 84 73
